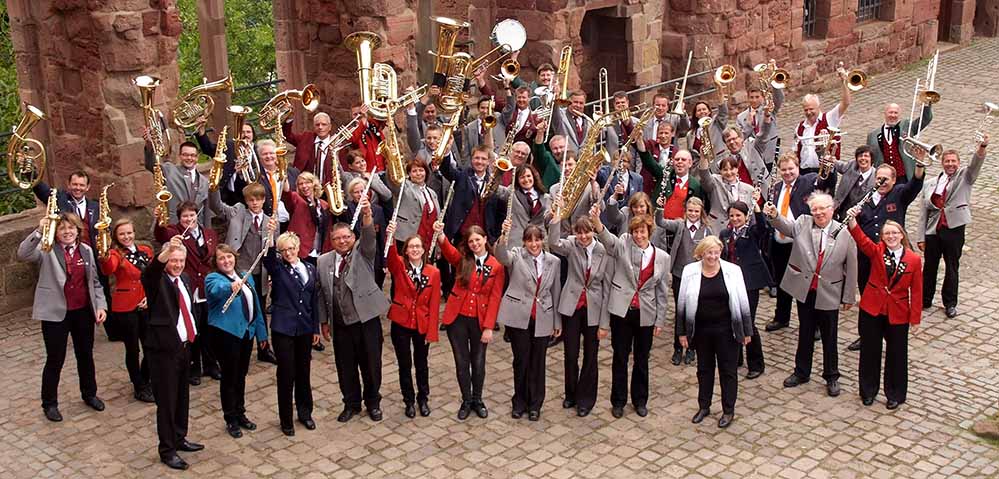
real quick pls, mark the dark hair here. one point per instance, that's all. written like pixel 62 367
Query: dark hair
pixel 583 224
pixel 405 245
pixel 754 88
pixel 694 110
pixel 483 99
pixel 73 219
pixel 729 161
pixel 186 206
pixel 467 265
pixel 620 94
pixel 523 89
pixel 80 174
pixel 482 148
pixel 417 163
pixel 545 67
pixel 432 126
pixel 861 150
pixel 352 155
pixel 188 144
pixel 660 94
pixel 523 169
pixel 533 232
pixel 340 225
pixel 739 205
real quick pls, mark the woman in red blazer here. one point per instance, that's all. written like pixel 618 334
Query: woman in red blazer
pixel 125 262
pixel 415 312
pixel 471 311
pixel 309 215
pixel 892 301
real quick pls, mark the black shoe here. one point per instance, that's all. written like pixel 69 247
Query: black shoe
pixel 817 336
pixel 753 374
pixel 94 402
pixel 480 410
pixel 583 412
pixel 410 410
pixel 194 380
pixel 832 387
pixel 951 312
pixel 642 411
pixel 318 347
pixel 174 462
pixel 892 404
pixel 740 362
pixel 774 326
pixel 308 423
pixel 265 355
pixel 188 446
pixel 927 306
pixel 424 408
pixel 568 403
pixel 617 411
pixel 854 346
pixel 245 423
pixel 288 431
pixel 701 414
pixel 442 327
pixel 506 335
pixel 867 401
pixel 347 414
pixel 496 327
pixel 233 430
pixel 144 394
pixel 725 420
pixel 516 414
pixel 213 373
pixel 375 414
pixel 52 414
pixel 677 357
pixel 772 292
pixel 554 340
pixel 463 411
pixel 534 416
pixel 689 357
pixel 793 380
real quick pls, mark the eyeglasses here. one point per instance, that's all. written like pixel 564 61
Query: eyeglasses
pixel 286 250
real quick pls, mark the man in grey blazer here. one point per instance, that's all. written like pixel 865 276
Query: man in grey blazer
pixel 617 133
pixel 822 276
pixel 662 114
pixel 885 141
pixel 184 181
pixel 571 122
pixel 857 179
pixel 750 155
pixel 68 301
pixel 351 306
pixel 475 132
pixel 750 120
pixel 946 211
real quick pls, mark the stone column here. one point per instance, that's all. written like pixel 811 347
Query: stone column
pixel 987 18
pixel 215 55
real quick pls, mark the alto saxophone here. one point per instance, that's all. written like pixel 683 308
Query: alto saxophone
pixel 395 170
pixel 218 161
pixel 49 230
pixel 163 196
pixel 103 225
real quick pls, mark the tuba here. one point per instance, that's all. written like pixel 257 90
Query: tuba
pixel 725 80
pixel 194 109
pixel 159 137
pixel 49 230
pixel 103 225
pixel 377 83
pixel 280 107
pixel 447 34
pixel 218 161
pixel 26 156
pixel 245 165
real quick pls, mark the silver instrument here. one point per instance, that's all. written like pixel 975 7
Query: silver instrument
pixel 364 194
pixel 433 239
pixel 395 216
pixel 925 95
pixel 682 88
pixel 933 151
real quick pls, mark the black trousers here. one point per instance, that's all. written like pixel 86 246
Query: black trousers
pixel 780 255
pixel 811 319
pixel 234 361
pixel 169 373
pixel 294 361
pixel 469 351
pixel 258 286
pixel 754 350
pixel 80 324
pixel 947 243
pixel 357 351
pixel 447 273
pixel 716 346
pixel 874 330
pixel 202 357
pixel 676 299
pixel 407 357
pixel 580 384
pixel 628 333
pixel 528 368
pixel 132 328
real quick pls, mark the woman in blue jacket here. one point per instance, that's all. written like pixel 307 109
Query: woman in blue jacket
pixel 233 335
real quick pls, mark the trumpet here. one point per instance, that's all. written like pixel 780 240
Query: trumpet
pixel 681 88
pixel 159 137
pixel 724 79
pixel 500 166
pixel 280 107
pixel 855 79
pixel 245 165
pixel 195 108
pixel 103 225
pixel 26 156
pixel 218 161
pixel 49 229
pixel 489 120
pixel 911 145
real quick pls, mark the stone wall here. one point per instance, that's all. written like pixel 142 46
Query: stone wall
pixel 987 18
pixel 17 279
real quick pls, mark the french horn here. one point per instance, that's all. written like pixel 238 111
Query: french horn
pixel 26 156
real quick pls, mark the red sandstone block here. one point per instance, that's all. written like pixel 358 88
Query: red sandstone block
pixel 551 5
pixel 738 26
pixel 841 25
pixel 923 10
pixel 673 45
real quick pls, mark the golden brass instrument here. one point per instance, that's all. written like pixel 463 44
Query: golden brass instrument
pixel 589 159
pixel 194 109
pixel 619 167
pixel 509 70
pixel 770 78
pixel 855 79
pixel 489 120
pixel 501 165
pixel 163 196
pixel 280 107
pixel 447 131
pixel 103 225
pixel 827 162
pixel 704 133
pixel 282 163
pixel 26 156
pixel 681 89
pixel 218 161
pixel 159 136
pixel 724 79
pixel 447 33
pixel 452 70
pixel 395 169
pixel 562 76
pixel 248 169
pixel 377 82
pixel 49 230
pixel 602 106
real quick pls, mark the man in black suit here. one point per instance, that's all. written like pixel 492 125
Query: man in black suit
pixel 74 200
pixel 170 331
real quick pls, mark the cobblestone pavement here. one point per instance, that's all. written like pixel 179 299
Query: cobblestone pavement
pixel 954 380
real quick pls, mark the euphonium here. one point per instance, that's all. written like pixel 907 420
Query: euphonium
pixel 280 107
pixel 377 82
pixel 159 137
pixel 26 156
pixel 395 170
pixel 245 165
pixel 103 224
pixel 725 80
pixel 562 76
pixel 194 109
pixel 218 161
pixel 447 33
pixel 49 230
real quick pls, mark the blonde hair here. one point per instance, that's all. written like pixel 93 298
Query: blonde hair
pixel 707 243
pixel 316 187
pixel 288 238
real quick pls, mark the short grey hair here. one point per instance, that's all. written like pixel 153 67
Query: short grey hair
pixel 820 197
pixel 810 97
pixel 322 114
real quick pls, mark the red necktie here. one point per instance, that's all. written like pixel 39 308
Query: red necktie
pixel 343 265
pixel 579 130
pixel 318 164
pixel 188 324
pixel 256 223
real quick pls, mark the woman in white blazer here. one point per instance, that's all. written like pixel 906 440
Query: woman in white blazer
pixel 713 312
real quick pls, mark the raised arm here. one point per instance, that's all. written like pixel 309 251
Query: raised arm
pixel 28 250
pixel 766 132
pixel 975 168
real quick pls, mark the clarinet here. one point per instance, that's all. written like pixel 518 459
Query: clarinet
pixel 364 194
pixel 433 240
pixel 664 182
pixel 395 215
pixel 867 197
pixel 509 214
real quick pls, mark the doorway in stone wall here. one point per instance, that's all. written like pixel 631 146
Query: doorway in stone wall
pixel 943 21
pixel 603 36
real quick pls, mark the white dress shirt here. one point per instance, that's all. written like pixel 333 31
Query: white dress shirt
pixel 322 143
pixel 181 328
pixel 247 296
pixel 647 255
pixel 785 190
pixel 809 159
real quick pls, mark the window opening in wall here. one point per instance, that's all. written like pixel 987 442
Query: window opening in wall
pixel 868 10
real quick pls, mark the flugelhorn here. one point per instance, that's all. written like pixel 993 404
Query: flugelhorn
pixel 218 161
pixel 194 109
pixel 855 79
pixel 26 156
pixel 49 229
pixel 911 144
pixel 103 224
pixel 245 165
pixel 159 136
pixel 280 107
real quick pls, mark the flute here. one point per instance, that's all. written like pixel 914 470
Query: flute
pixel 395 215
pixel 364 194
pixel 260 255
pixel 509 214
pixel 433 240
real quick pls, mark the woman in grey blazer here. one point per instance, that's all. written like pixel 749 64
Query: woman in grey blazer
pixel 530 203
pixel 419 207
pixel 68 301
pixel 713 312
pixel 617 218
pixel 528 311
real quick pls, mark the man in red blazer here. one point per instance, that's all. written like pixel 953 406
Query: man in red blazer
pixel 311 147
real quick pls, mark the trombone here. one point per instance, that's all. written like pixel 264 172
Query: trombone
pixel 603 95
pixel 924 94
pixel 681 88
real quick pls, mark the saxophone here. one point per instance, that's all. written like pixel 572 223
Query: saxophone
pixel 619 168
pixel 49 230
pixel 163 196
pixel 389 149
pixel 218 161
pixel 103 225
pixel 704 134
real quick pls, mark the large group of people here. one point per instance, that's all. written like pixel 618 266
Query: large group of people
pixel 709 211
